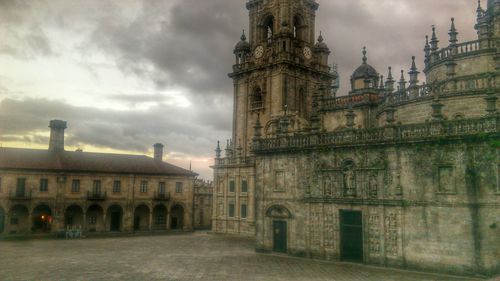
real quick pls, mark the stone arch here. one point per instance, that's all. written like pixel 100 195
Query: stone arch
pixel 267 28
pixel 299 27
pixel 95 218
pixel 19 219
pixel 141 217
pixel 177 216
pixel 278 212
pixel 160 217
pixel 73 216
pixel 114 218
pixel 42 218
pixel 2 219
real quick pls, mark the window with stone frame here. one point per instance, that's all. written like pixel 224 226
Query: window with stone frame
pixel 96 187
pixel 161 188
pixel 244 186
pixel 232 186
pixel 446 177
pixel 243 211
pixel 44 185
pixel 257 99
pixel 279 181
pixel 144 187
pixel 75 186
pixel 92 220
pixel 14 221
pixel 21 187
pixel 231 210
pixel 178 187
pixel 117 186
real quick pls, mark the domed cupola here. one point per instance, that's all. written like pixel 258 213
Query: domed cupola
pixel 242 49
pixel 365 76
pixel 321 46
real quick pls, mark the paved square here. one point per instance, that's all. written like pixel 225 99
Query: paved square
pixel 194 256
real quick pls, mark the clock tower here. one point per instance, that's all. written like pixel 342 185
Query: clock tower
pixel 280 68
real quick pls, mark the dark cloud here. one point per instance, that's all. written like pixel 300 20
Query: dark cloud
pixel 187 45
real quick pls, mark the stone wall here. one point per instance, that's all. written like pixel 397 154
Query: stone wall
pixel 429 206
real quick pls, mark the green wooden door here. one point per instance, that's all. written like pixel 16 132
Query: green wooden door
pixel 279 236
pixel 351 235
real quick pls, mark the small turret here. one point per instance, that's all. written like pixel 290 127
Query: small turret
pixel 434 41
pixel 413 74
pixel 453 33
pixel 427 51
pixel 365 76
pixel 402 81
pixel 389 84
pixel 322 50
pixel 242 49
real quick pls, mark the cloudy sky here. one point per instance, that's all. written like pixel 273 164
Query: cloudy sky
pixel 129 73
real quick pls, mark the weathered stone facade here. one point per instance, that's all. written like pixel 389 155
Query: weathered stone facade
pixel 49 191
pixel 203 196
pixel 395 173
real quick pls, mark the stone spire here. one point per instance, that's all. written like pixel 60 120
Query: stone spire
pixel 218 150
pixel 413 73
pixel 381 86
pixel 365 59
pixel 402 81
pixel 389 84
pixel 427 50
pixel 434 41
pixel 453 33
pixel 479 10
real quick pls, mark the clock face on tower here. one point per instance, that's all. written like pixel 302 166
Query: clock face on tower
pixel 307 53
pixel 259 52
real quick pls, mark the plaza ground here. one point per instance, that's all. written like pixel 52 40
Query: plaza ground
pixel 191 256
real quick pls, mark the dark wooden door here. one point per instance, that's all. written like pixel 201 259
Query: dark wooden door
pixel 137 223
pixel 115 221
pixel 279 236
pixel 351 235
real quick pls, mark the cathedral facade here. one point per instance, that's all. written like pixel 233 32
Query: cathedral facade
pixel 394 173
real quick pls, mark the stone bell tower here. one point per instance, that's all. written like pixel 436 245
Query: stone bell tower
pixel 278 70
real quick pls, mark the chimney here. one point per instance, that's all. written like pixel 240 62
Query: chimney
pixel 158 148
pixel 57 135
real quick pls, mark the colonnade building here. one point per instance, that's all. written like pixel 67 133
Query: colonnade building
pixel 46 191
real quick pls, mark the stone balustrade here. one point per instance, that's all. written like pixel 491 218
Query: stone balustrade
pixel 390 134
pixel 461 50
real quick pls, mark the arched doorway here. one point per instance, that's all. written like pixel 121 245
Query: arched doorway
pixel 279 217
pixel 73 217
pixel 114 218
pixel 42 219
pixel 95 220
pixel 160 217
pixel 19 219
pixel 177 217
pixel 2 220
pixel 141 218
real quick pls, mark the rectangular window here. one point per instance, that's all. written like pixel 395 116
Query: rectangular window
pixel 232 186
pixel 178 187
pixel 244 186
pixel 96 187
pixel 231 210
pixel 14 221
pixel 117 186
pixel 144 187
pixel 161 188
pixel 21 187
pixel 243 211
pixel 44 185
pixel 92 220
pixel 75 186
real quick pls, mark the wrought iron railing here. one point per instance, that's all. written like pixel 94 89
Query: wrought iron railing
pixel 162 196
pixel 96 196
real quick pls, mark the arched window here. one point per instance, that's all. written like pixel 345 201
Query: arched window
pixel 257 99
pixel 298 27
pixel 268 31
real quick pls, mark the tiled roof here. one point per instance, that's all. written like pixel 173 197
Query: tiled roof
pixel 69 161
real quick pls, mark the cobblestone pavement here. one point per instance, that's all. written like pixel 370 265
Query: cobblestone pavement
pixel 195 256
